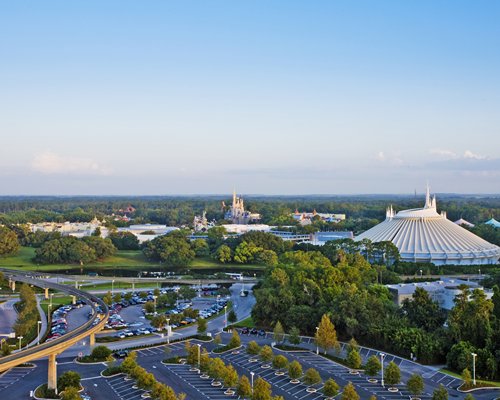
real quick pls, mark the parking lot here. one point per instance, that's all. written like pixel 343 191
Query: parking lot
pixel 298 391
pixel 124 388
pixel 155 351
pixel 202 386
pixel 12 376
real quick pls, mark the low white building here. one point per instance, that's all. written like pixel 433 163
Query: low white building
pixel 443 291
pixel 243 228
pixel 153 231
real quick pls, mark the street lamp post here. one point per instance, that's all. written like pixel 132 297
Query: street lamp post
pixel 474 368
pixel 48 312
pixel 52 294
pixel 154 299
pixel 225 316
pixel 317 346
pixel 252 374
pixel 199 356
pixel 168 330
pixel 421 274
pixel 112 287
pixel 20 338
pixel 38 337
pixel 382 356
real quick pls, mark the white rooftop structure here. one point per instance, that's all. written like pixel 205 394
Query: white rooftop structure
pixel 463 222
pixel 424 235
pixel 443 291
pixel 493 222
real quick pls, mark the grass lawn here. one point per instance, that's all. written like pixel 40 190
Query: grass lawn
pixel 129 259
pixel 56 301
pixel 246 323
pixel 479 382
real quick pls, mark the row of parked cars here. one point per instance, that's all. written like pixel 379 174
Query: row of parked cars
pixel 59 325
pixel 253 331
pixel 215 309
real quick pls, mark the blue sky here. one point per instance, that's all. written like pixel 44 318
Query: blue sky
pixel 272 97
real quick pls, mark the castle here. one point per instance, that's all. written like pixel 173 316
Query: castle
pixel 237 214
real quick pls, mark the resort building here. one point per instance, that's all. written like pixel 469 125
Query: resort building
pixel 424 235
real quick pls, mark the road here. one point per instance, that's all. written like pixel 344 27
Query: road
pixel 8 316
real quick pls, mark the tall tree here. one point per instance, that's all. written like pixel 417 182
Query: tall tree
pixel 326 335
pixel 8 241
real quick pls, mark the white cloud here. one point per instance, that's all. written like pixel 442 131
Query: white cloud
pixel 50 163
pixel 380 156
pixel 470 155
pixel 443 153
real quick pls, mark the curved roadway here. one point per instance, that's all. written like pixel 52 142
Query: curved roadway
pixel 58 345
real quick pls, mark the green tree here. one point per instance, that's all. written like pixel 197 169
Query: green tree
pixel 326 335
pixel 244 388
pixel 202 326
pixel 415 384
pixel 102 247
pixel 294 337
pixel 100 353
pixel 129 363
pixel 266 354
pixel 68 379
pixel 70 393
pixel 146 380
pixel 440 393
pixel 253 348
pixel 231 317
pixel 312 377
pixel 331 388
pixel 279 332
pixel 173 249
pixel 423 312
pixel 124 240
pixel 350 393
pixel 223 254
pixel 117 298
pixel 217 339
pixel 187 293
pixel 5 348
pixel 261 390
pixel 372 366
pixel 8 241
pixel 216 368
pixel 159 321
pixel 467 378
pixel 354 359
pixel 392 374
pixel 469 397
pixel 460 356
pixel 108 298
pixel 280 362
pixel 294 370
pixel 230 377
pixel 149 307
pixel 235 340
pixel 200 248
pixel 266 257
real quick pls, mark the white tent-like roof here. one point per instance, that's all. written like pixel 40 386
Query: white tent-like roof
pixel 462 221
pixel 493 222
pixel 424 235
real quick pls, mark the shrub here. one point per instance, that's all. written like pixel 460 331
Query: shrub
pixel 331 388
pixel 294 370
pixel 253 348
pixel 312 377
pixel 266 354
pixel 280 362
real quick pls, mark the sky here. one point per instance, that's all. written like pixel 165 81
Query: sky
pixel 268 97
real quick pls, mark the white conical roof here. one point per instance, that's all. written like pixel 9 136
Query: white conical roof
pixel 493 222
pixel 423 235
pixel 462 221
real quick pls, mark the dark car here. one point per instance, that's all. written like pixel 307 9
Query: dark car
pixel 254 331
pixel 121 353
pixel 262 332
pixel 245 331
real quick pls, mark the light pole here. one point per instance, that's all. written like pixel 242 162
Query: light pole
pixel 38 337
pixel 252 374
pixel 48 312
pixel 199 356
pixel 168 330
pixel 474 368
pixel 382 356
pixel 317 346
pixel 20 338
pixel 52 294
pixel 225 316
pixel 112 287
pixel 421 274
pixel 479 271
pixel 154 299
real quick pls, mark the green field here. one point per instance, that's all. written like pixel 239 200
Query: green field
pixel 132 260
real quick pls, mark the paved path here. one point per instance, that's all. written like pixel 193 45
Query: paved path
pixel 43 318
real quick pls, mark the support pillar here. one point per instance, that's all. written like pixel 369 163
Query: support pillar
pixel 13 285
pixel 133 285
pixel 46 293
pixel 52 379
pixel 92 339
pixel 73 299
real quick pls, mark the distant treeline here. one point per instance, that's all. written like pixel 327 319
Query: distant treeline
pixel 275 210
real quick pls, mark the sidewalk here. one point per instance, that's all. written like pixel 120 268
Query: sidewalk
pixel 43 318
